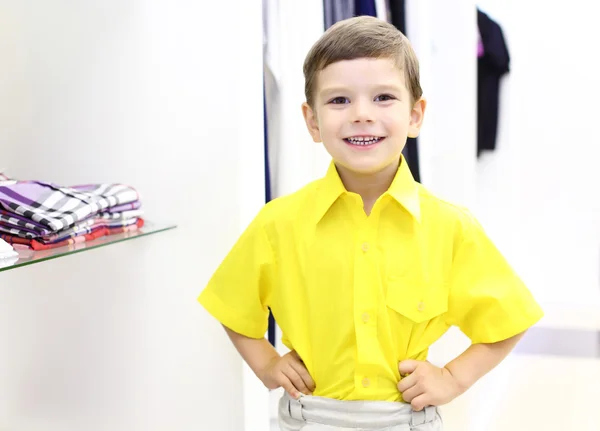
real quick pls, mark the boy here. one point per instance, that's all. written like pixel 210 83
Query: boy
pixel 364 269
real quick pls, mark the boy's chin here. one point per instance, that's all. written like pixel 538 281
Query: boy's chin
pixel 367 168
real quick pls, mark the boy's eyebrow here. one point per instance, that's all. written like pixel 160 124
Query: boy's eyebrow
pixel 392 87
pixel 382 87
pixel 333 90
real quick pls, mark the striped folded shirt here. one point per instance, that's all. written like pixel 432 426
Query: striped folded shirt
pixel 95 233
pixel 47 208
pixel 14 226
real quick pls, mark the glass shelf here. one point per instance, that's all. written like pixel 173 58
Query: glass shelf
pixel 29 257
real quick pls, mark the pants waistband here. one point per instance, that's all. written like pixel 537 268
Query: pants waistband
pixel 353 414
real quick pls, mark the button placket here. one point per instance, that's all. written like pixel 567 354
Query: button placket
pixel 365 302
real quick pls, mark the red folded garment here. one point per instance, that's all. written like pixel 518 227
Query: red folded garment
pixel 36 245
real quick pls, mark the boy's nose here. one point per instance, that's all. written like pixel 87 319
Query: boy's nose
pixel 362 113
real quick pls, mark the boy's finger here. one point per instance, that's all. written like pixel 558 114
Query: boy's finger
pixel 287 385
pixel 407 383
pixel 419 403
pixel 407 367
pixel 305 375
pixel 410 394
pixel 296 379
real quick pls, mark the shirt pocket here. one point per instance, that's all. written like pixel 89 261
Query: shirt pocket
pixel 417 315
pixel 417 300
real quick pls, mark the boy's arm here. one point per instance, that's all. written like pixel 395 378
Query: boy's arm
pixel 428 385
pixel 480 359
pixel 272 369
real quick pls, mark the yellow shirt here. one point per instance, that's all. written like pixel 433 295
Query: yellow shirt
pixel 354 294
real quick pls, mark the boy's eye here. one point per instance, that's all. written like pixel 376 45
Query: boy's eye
pixel 384 98
pixel 339 100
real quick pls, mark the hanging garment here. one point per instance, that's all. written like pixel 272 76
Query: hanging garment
pixel 271 333
pixel 337 10
pixel 365 7
pixel 491 66
pixel 270 100
pixel 411 150
pixel 382 9
pixel 480 50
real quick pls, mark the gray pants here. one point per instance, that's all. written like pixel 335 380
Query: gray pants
pixel 311 413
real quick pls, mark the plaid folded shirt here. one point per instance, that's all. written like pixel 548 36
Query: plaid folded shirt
pixel 20 226
pixel 94 234
pixel 125 207
pixel 47 208
pixel 82 228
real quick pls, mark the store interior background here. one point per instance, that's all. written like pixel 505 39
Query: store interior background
pixel 168 97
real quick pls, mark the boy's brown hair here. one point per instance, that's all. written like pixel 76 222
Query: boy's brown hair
pixel 361 37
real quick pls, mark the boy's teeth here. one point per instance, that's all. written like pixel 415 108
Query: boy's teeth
pixel 361 140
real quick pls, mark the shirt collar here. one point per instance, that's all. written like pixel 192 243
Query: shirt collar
pixel 404 190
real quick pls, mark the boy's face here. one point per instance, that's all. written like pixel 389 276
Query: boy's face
pixel 363 114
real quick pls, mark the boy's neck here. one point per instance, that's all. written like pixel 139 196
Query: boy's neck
pixel 369 186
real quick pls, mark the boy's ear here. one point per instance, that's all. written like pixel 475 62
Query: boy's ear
pixel 312 123
pixel 416 117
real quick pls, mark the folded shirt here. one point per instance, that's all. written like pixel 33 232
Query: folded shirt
pixel 83 228
pixel 19 222
pixel 16 226
pixel 94 233
pixel 123 215
pixel 93 227
pixel 125 207
pixel 50 208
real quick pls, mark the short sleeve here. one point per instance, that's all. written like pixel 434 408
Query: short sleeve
pixel 237 293
pixel 488 301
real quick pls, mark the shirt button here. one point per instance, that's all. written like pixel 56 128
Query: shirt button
pixel 366 382
pixel 365 246
pixel 421 306
pixel 365 317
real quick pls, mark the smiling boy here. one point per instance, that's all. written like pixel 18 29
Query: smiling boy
pixel 364 269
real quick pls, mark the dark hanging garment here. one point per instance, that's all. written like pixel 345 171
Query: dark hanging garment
pixel 365 7
pixel 493 62
pixel 272 324
pixel 411 150
pixel 337 10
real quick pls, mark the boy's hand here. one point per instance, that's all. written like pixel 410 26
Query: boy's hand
pixel 427 385
pixel 290 373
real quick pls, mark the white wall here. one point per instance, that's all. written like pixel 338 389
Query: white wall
pixel 538 193
pixel 165 96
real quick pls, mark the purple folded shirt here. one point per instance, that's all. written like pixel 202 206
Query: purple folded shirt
pixel 49 208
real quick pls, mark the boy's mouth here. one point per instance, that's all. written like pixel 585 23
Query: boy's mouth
pixel 363 141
